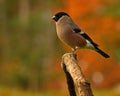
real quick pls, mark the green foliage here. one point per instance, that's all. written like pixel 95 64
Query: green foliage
pixel 27 38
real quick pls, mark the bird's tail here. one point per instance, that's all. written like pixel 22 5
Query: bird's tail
pixel 102 53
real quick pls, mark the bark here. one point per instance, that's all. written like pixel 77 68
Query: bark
pixel 74 75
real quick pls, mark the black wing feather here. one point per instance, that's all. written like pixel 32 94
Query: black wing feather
pixel 76 30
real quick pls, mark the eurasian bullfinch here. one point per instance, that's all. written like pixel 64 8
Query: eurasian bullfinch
pixel 69 33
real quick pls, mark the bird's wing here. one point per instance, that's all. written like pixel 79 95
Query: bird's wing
pixel 79 31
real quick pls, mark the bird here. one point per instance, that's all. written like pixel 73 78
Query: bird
pixel 70 34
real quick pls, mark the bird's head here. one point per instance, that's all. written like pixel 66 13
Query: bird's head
pixel 58 15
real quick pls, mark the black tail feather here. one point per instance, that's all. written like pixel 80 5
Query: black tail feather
pixel 102 53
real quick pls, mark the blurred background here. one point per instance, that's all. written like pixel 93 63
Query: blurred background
pixel 30 52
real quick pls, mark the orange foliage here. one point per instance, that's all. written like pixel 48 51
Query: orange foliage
pixel 81 7
pixel 88 14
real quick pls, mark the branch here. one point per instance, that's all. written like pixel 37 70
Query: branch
pixel 74 76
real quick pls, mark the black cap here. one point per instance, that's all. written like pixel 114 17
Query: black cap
pixel 58 15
